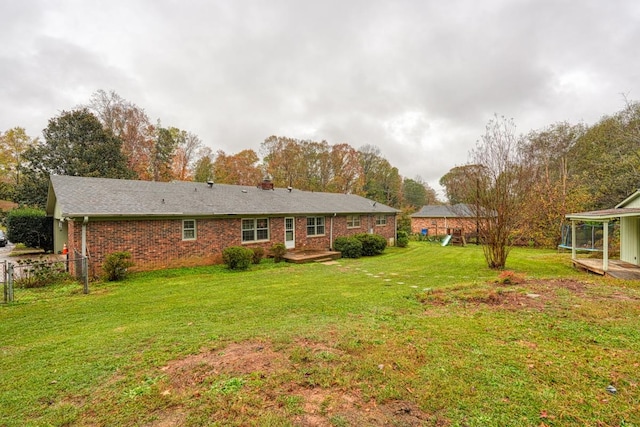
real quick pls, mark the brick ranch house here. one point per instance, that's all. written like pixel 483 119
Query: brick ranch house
pixel 437 219
pixel 164 224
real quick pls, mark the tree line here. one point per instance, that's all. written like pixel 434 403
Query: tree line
pixel 114 138
pixel 541 175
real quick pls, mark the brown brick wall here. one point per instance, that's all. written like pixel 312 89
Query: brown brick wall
pixel 438 226
pixel 340 228
pixel 71 238
pixel 153 243
pixel 157 243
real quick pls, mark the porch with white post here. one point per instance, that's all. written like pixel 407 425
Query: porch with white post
pixel 605 246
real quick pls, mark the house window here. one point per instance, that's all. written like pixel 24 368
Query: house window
pixel 188 229
pixel 315 226
pixel 254 230
pixel 381 220
pixel 353 221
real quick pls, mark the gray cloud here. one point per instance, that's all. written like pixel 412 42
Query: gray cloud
pixel 418 79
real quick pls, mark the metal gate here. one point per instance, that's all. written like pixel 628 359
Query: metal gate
pixel 22 273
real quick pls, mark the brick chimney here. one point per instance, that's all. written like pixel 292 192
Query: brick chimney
pixel 266 183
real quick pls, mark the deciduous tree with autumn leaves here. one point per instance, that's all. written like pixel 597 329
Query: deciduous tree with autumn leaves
pixel 574 167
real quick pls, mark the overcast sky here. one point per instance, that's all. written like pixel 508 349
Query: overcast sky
pixel 419 79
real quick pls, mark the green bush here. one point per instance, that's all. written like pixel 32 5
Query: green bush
pixel 350 247
pixel 402 239
pixel 237 257
pixel 278 251
pixel 372 244
pixel 258 254
pixel 404 220
pixel 31 227
pixel 116 266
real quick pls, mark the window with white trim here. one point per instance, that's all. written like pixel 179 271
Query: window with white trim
pixel 353 221
pixel 315 226
pixel 255 229
pixel 188 229
pixel 381 220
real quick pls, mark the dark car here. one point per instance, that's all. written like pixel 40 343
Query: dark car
pixel 3 239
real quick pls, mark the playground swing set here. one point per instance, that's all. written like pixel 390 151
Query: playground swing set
pixel 588 236
pixel 454 236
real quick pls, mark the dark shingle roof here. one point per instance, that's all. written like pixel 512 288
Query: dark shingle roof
pixel 460 210
pixel 80 196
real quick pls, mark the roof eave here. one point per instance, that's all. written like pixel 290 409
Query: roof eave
pixel 597 217
pixel 591 217
pixel 182 214
pixel 122 215
pixel 628 200
pixel 51 199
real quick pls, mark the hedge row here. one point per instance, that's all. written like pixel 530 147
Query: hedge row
pixel 31 227
pixel 240 257
pixel 362 244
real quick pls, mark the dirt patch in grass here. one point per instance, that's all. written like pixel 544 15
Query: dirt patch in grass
pixel 327 408
pixel 312 405
pixel 190 373
pixel 240 359
pixel 535 294
pixel 532 294
pixel 169 418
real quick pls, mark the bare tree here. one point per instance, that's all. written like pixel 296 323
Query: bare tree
pixel 185 155
pixel 130 123
pixel 502 183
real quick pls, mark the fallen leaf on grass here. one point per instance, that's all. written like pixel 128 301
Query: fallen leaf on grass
pixel 545 415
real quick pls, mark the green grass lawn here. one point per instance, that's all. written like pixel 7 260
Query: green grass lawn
pixel 418 336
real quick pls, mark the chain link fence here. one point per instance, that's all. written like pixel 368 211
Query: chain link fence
pixel 38 272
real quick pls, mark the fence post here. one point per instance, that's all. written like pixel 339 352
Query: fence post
pixel 9 282
pixel 85 274
pixel 4 281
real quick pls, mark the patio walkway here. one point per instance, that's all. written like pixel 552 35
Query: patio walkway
pixel 302 256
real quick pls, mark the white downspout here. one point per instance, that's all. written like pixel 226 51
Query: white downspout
pixel 395 232
pixel 331 233
pixel 84 236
